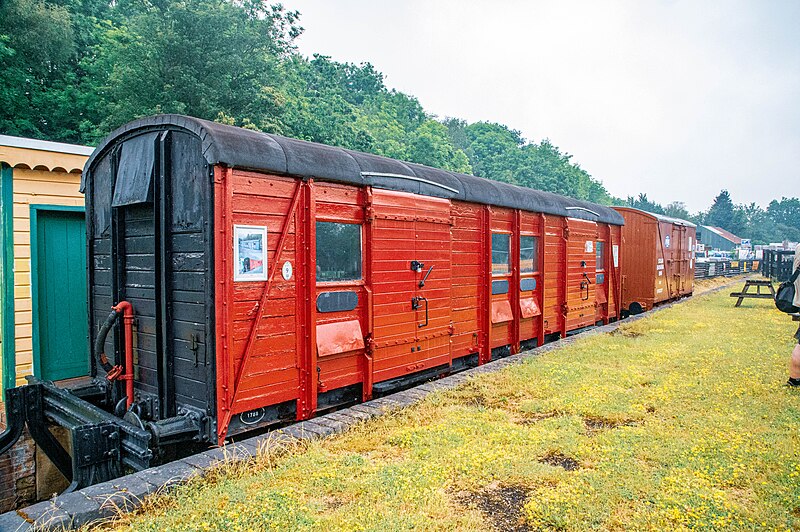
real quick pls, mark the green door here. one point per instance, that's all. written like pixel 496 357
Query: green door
pixel 59 291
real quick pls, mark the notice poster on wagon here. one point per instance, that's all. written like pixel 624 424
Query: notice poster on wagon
pixel 249 253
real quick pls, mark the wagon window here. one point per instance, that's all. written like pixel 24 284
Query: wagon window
pixel 338 252
pixel 528 254
pixel 501 258
pixel 601 257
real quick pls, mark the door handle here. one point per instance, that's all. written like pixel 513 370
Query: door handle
pixel 415 305
pixel 585 285
pixel 422 282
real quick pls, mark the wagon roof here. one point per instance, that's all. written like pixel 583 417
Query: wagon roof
pixel 243 148
pixel 659 217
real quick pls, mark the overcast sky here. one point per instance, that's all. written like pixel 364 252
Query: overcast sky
pixel 677 99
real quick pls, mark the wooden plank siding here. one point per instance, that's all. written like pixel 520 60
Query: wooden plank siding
pixel 33 187
pixel 39 177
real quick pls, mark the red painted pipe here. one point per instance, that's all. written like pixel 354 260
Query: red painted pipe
pixel 126 309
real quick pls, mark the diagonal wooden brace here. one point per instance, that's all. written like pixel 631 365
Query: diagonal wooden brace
pixel 262 304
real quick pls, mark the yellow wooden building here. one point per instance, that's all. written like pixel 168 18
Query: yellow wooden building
pixel 43 249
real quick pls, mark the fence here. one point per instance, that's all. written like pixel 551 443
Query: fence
pixel 725 267
pixel 777 264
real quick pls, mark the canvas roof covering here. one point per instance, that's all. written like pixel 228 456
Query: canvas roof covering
pixel 252 150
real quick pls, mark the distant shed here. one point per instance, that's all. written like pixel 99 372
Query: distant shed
pixel 42 260
pixel 717 238
pixel 657 259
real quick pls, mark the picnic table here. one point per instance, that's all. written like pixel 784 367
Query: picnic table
pixel 757 294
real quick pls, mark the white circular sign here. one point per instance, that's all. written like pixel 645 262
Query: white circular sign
pixel 287 270
pixel 253 416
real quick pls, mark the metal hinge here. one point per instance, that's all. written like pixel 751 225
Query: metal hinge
pixel 369 344
pixel 195 347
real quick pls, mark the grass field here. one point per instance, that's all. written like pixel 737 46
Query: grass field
pixel 679 420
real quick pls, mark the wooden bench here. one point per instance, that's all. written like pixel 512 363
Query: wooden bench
pixel 757 295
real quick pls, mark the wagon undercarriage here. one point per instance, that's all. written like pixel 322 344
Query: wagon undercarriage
pixel 102 445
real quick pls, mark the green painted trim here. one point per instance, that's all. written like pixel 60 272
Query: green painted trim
pixel 9 357
pixel 45 207
pixel 34 236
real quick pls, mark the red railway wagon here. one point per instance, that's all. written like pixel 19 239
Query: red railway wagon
pixel 657 259
pixel 265 279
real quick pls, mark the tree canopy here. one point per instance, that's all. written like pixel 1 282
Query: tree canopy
pixel 73 70
pixel 778 222
pixel 81 68
pixel 722 213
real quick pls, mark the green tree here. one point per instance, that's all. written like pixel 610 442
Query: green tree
pixel 677 209
pixel 457 131
pixel 35 66
pixel 430 144
pixel 643 203
pixel 84 67
pixel 785 212
pixel 779 222
pixel 200 58
pixel 721 214
pixel 489 146
pixel 500 153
